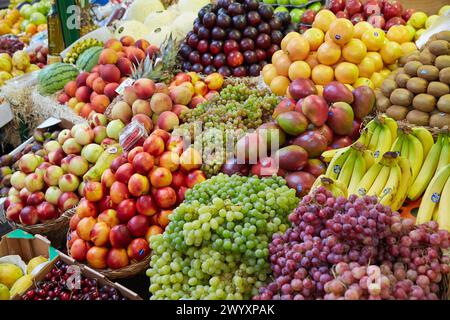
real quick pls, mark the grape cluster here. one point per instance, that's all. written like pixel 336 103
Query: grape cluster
pixel 336 245
pixel 215 124
pixel 216 245
pixel 10 44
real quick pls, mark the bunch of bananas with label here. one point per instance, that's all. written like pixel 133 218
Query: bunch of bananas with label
pixel 79 47
pixel 435 203
pixel 337 188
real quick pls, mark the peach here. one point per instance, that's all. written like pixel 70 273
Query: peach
pixel 120 236
pixel 28 163
pixel 73 222
pixel 86 209
pixel 63 136
pixel 195 177
pixel 109 73
pixel 126 210
pixel 81 188
pixel 78 166
pixel 211 95
pixel 122 111
pixel 138 226
pixel 178 180
pixel 182 78
pixel 214 81
pixel 108 178
pixel 13 211
pixel 81 79
pixel 28 216
pixel 135 55
pixel 181 194
pixel 138 185
pixel 83 94
pixel 68 182
pixel 144 88
pixel 146 206
pixel 132 154
pixel 178 109
pixel 65 162
pixel 163 218
pixel 70 88
pixel 100 103
pixel 143 163
pixel 124 173
pixel 67 201
pixel 84 228
pixel 110 90
pixel 91 78
pixel 141 106
pixel 162 134
pixel 169 160
pixel 108 56
pixel 130 95
pixel 52 195
pixel 71 238
pixel 142 44
pixel 42 168
pixel 109 217
pixel 161 88
pixel 190 160
pixel 78 107
pixel 161 177
pixel 168 121
pixel 71 146
pixel 117 259
pixel 113 130
pixel 114 44
pixel 138 249
pixel 196 100
pixel 151 50
pixel 125 66
pixel 55 157
pixel 24 194
pixel 195 77
pixel 63 98
pixel 154 145
pixel 144 120
pixel 119 192
pixel 105 204
pixel 72 103
pixel 200 88
pixel 99 85
pixel 97 119
pixel 34 182
pixel 100 234
pixel 52 175
pixel 96 257
pixel 160 102
pixel 155 118
pixel 86 111
pixel 79 250
pixel 35 198
pixel 18 180
pixel 127 41
pixel 94 191
pixel 99 134
pixel 52 145
pixel 181 94
pixel 152 231
pixel 47 211
pixel 95 69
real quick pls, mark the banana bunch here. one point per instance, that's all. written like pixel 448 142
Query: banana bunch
pixel 337 188
pixel 79 47
pixel 388 179
pixel 349 165
pixel 436 200
pixel 414 145
pixel 379 135
pixel 437 157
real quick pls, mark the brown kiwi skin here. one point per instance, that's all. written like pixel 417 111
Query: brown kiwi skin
pixel 440 120
pixel 417 85
pixel 443 35
pixel 444 75
pixel 442 62
pixel 401 97
pixel 438 47
pixel 426 57
pixel 402 79
pixel 444 103
pixel 438 89
pixel 388 86
pixel 429 73
pixel 397 112
pixel 383 103
pixel 411 68
pixel 424 102
pixel 417 117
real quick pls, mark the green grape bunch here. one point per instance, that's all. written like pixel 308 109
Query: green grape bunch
pixel 216 245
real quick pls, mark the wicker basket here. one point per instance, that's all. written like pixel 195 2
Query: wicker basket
pixel 54 230
pixel 135 268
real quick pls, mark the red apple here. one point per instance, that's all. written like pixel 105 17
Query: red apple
pixel 124 173
pixel 165 197
pixel 117 259
pixel 138 226
pixel 126 210
pixel 146 206
pixel 138 249
pixel 47 211
pixel 120 236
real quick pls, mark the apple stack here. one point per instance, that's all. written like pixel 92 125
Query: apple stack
pixel 132 202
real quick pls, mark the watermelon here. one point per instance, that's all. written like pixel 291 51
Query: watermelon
pixel 54 77
pixel 89 59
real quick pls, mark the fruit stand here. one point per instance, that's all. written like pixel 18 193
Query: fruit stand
pixel 225 150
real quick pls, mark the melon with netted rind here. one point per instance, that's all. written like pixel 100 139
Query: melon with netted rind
pixel 140 9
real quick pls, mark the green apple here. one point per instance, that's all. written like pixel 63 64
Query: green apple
pixel 282 2
pixel 281 9
pixel 315 6
pixel 24 24
pixel 38 18
pixel 296 15
pixel 418 19
pixel 26 11
pixel 431 20
pixel 298 2
pixel 270 1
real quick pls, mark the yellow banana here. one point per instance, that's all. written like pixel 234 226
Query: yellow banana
pixel 391 188
pixel 379 182
pixel 443 216
pixel 329 154
pixel 436 213
pixel 444 158
pixel 392 124
pixel 432 195
pixel 405 147
pixel 427 172
pixel 359 170
pixel 335 166
pixel 425 137
pixel 347 169
pixel 369 159
pixel 397 145
pixel 415 154
pixel 384 143
pixel 374 139
pixel 366 136
pixel 331 185
pixel 368 179
pixel 405 182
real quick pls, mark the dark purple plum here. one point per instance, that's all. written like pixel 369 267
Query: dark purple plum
pixel 203 11
pixel 236 9
pixel 272 49
pixel 266 11
pixel 275 23
pixel 185 50
pixel 251 4
pixel 220 60
pixel 216 47
pixel 247 44
pixel 203 46
pixel 264 28
pixel 254 70
pixel 263 41
pixel 235 35
pixel 209 69
pixel 250 32
pixel 240 71
pixel 239 22
pixel 261 54
pixel 204 33
pixel 193 41
pixel 276 36
pixel 197 68
pixel 250 57
pixel 207 59
pixel 218 33
pixel 225 71
pixel 194 57
pixel 224 3
pixel 223 21
pixel 254 18
pixel 285 17
pixel 209 20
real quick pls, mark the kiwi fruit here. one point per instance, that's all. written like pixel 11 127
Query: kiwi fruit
pixel 424 102
pixel 438 47
pixel 415 56
pixel 440 120
pixel 383 103
pixel 388 86
pixel 417 117
pixel 442 62
pixel 417 85
pixel 401 80
pixel 444 75
pixel 429 73
pixel 444 103
pixel 411 68
pixel 443 35
pixel 426 57
pixel 397 112
pixel 437 89
pixel 401 97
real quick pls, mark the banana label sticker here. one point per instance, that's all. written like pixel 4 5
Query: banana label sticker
pixel 376 154
pixel 436 197
pixel 337 169
pixel 387 191
pixel 362 191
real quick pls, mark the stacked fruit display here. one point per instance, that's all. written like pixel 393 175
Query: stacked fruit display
pixel 16 65
pixel 38 55
pixel 132 201
pixel 46 186
pixel 419 91
pixel 54 286
pixel 10 44
pixel 34 17
pixel 215 246
pixel 355 249
pixel 10 21
pixel 233 38
pixel 301 11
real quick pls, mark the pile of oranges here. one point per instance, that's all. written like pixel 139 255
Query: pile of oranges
pixel 335 49
pixel 10 22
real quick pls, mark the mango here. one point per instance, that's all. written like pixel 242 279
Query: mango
pixel 292 122
pixel 340 118
pixel 9 274
pixel 292 158
pixel 4 292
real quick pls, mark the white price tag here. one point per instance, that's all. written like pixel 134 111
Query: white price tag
pixel 127 83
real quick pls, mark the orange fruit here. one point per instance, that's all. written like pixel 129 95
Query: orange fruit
pixel 408 47
pixel 377 60
pixel 363 82
pixel 366 67
pixel 299 69
pixel 390 52
pixel 319 89
pixel 297 49
pixel 31 28
pixel 328 53
pixel 346 72
pixel 315 38
pixel 373 39
pixel 385 72
pixel 322 74
pixel 282 64
pixel 269 72
pixel 277 55
pixel 323 20
pixel 398 33
pixel 287 38
pixel 354 51
pixel 279 85
pixel 360 28
pixel 377 79
pixel 341 31
pixel 327 37
pixel 311 60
